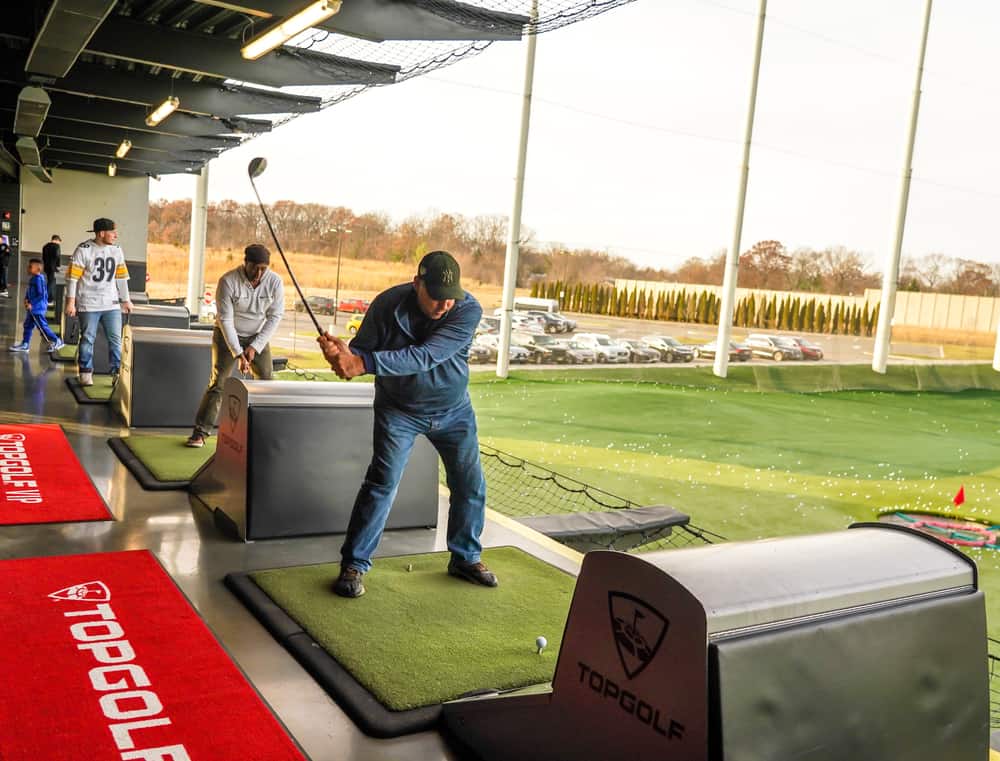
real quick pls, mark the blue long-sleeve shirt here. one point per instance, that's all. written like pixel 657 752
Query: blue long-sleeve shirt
pixel 421 365
pixel 38 294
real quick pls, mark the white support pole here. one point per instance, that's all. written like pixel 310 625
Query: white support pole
pixel 513 241
pixel 890 277
pixel 721 366
pixel 996 352
pixel 199 234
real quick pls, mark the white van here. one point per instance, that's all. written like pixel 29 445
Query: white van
pixel 532 304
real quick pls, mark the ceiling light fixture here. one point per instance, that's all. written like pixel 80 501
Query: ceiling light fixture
pixel 125 147
pixel 277 35
pixel 162 111
pixel 112 169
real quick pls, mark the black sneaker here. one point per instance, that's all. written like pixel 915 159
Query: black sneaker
pixel 348 584
pixel 477 573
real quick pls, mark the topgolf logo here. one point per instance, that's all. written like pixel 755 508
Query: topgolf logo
pixel 638 630
pixel 90 591
pixel 11 437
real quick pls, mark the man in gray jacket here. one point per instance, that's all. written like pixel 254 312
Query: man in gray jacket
pixel 250 301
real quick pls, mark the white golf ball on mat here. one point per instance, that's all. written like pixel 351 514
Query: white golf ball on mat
pixel 541 643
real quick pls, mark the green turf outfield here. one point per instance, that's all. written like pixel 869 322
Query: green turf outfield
pixel 166 457
pixel 420 637
pixel 748 464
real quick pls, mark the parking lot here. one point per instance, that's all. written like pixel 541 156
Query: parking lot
pixel 296 332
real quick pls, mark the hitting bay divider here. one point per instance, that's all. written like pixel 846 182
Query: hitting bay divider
pixel 291 456
pixel 418 637
pixel 161 462
pixel 163 376
pixel 826 646
pixel 103 658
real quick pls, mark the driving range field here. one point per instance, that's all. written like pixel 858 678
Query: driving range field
pixel 765 453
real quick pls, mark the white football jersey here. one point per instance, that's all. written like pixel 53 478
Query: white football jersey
pixel 97 269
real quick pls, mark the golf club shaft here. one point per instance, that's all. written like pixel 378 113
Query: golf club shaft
pixel 288 267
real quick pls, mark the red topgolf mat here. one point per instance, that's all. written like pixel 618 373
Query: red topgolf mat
pixel 41 481
pixel 103 658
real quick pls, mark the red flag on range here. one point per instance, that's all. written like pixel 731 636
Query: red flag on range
pixel 959 498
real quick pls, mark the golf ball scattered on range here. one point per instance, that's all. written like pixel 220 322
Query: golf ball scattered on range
pixel 541 643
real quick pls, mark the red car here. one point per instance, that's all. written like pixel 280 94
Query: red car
pixel 809 349
pixel 354 306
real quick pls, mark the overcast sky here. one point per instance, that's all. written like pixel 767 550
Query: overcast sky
pixel 637 126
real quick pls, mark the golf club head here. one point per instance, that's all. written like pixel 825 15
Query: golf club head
pixel 256 167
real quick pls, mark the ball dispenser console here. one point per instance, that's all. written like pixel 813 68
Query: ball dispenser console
pixel 291 456
pixel 867 644
pixel 163 376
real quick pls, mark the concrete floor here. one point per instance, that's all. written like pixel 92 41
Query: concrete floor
pixel 180 532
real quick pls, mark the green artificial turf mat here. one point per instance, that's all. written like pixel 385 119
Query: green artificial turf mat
pixel 67 352
pixel 166 457
pixel 101 388
pixel 750 465
pixel 421 637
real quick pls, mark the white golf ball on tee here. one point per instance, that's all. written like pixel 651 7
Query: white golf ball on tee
pixel 541 644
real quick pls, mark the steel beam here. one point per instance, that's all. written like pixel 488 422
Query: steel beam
pixel 51 154
pixel 211 56
pixel 107 150
pixel 99 133
pixel 381 20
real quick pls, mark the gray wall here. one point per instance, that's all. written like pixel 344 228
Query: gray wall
pixel 69 205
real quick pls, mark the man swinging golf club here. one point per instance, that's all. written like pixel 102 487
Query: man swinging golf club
pixel 415 340
pixel 250 302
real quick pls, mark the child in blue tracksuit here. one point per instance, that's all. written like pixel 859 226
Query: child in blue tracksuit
pixel 36 302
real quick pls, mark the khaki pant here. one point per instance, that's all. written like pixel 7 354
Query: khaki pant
pixel 222 366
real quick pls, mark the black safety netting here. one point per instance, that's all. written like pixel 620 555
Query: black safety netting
pixel 494 20
pixel 521 489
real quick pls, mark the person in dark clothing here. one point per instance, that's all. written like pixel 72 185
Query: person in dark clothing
pixel 36 302
pixel 50 263
pixel 415 340
pixel 4 263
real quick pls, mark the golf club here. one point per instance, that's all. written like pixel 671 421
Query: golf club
pixel 255 169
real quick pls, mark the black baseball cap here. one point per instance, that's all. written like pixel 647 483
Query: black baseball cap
pixel 441 275
pixel 257 254
pixel 102 225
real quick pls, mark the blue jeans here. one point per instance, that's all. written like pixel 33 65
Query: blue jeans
pixel 453 434
pixel 111 322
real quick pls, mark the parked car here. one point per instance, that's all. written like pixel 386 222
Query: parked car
pixel 639 352
pixel 318 304
pixel 488 325
pixel 671 350
pixel 478 353
pixel 354 306
pixel 555 322
pixel 809 349
pixel 354 323
pixel 523 321
pixel 604 348
pixel 571 353
pixel 491 342
pixel 737 352
pixel 777 348
pixel 540 355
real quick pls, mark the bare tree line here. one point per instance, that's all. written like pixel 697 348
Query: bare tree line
pixel 480 243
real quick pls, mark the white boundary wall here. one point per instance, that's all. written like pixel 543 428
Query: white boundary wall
pixel 69 205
